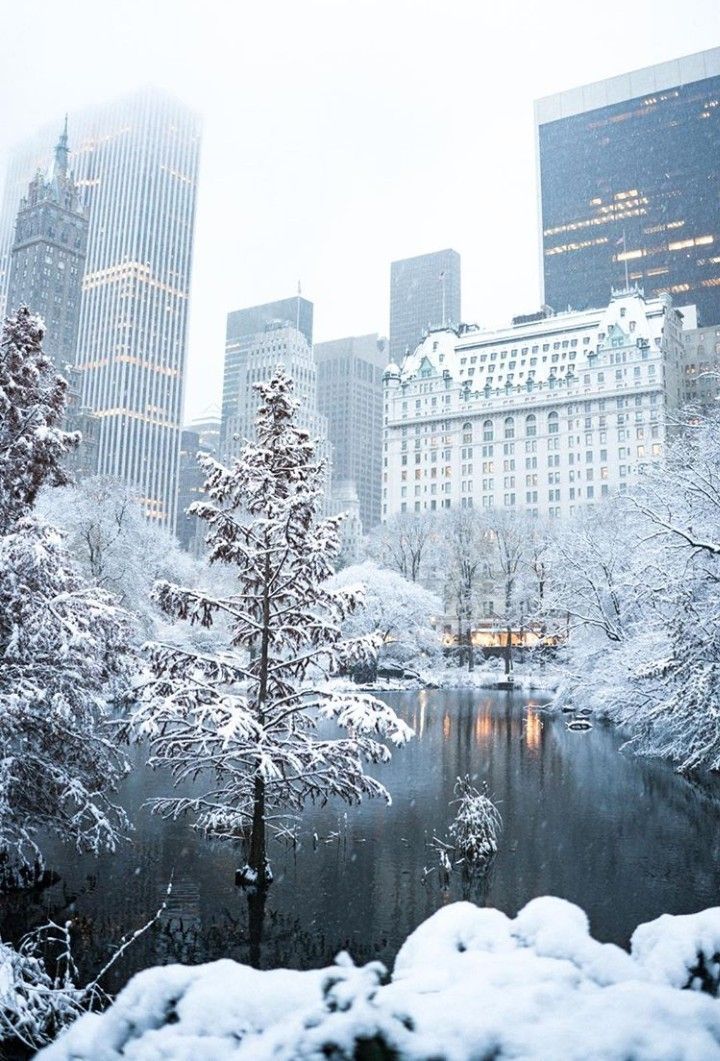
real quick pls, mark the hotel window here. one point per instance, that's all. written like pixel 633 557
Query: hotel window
pixel 488 431
pixel 553 423
pixel 509 427
pixel 531 425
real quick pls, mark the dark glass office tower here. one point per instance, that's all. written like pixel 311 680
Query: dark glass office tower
pixel 629 180
pixel 424 294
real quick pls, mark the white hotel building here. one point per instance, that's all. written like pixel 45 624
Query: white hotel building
pixel 553 413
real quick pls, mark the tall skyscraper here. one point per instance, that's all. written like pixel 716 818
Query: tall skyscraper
pixel 48 255
pixel 244 325
pixel 350 395
pixel 424 294
pixel 629 183
pixel 135 162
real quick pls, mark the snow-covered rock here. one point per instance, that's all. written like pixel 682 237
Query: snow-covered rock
pixel 468 983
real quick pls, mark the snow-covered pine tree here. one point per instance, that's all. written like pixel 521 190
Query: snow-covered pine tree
pixel 61 643
pixel 246 720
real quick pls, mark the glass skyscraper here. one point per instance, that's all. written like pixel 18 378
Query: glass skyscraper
pixel 424 294
pixel 629 186
pixel 135 162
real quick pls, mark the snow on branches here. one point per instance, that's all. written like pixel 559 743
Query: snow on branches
pixel 62 643
pixel 32 403
pixel 247 718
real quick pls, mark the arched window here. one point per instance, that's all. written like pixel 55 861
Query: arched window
pixel 509 427
pixel 531 425
pixel 488 431
pixel 467 433
pixel 553 423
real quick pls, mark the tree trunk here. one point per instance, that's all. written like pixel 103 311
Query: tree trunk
pixel 471 650
pixel 257 898
pixel 257 858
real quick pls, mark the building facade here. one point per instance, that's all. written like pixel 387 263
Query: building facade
pixel 702 366
pixel 424 294
pixel 135 162
pixel 629 186
pixel 350 396
pixel 546 416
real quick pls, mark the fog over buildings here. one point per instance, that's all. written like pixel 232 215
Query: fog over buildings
pixel 415 148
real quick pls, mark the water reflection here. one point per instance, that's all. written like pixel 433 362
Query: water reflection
pixel 628 839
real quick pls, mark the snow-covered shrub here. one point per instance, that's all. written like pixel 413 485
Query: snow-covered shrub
pixel 469 983
pixel 475 830
pixel 34 1007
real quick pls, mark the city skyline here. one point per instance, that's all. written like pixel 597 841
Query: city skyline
pixel 277 206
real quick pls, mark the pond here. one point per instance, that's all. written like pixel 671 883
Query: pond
pixel 627 839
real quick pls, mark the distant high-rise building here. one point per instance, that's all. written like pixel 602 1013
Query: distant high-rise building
pixel 46 265
pixel 252 359
pixel 350 395
pixel 48 255
pixel 702 365
pixel 629 184
pixel 424 294
pixel 200 436
pixel 243 325
pixel 135 162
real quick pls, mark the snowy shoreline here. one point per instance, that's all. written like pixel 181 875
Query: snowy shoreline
pixel 483 677
pixel 467 983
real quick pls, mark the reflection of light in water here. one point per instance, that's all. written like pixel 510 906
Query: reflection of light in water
pixel 446 725
pixel 533 729
pixel 423 698
pixel 483 727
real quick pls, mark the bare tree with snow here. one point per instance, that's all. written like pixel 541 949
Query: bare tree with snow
pixel 248 726
pixel 406 543
pixel 468 545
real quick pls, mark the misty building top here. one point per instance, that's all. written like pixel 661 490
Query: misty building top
pixel 254 320
pixel 633 85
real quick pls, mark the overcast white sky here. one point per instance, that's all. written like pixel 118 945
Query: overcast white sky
pixel 341 134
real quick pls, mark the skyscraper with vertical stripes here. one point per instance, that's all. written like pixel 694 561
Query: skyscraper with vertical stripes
pixel 135 162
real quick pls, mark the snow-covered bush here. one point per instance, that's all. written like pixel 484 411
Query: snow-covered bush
pixel 469 983
pixel 247 726
pixel 398 610
pixel 34 1006
pixel 476 827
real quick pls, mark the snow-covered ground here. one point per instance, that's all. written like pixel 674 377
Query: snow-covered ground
pixel 468 983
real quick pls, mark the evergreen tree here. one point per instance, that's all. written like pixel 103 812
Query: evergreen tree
pixel 61 642
pixel 249 720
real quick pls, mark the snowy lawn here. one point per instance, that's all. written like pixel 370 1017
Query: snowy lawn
pixel 468 983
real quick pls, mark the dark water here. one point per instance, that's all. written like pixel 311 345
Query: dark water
pixel 626 838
